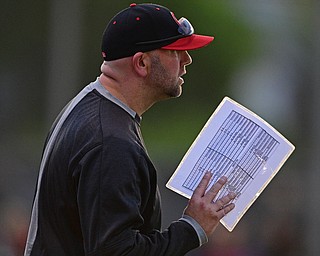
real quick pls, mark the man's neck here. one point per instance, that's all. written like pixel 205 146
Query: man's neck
pixel 130 94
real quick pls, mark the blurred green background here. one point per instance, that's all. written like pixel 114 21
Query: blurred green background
pixel 266 55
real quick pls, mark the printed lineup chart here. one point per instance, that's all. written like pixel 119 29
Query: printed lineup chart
pixel 238 151
pixel 238 144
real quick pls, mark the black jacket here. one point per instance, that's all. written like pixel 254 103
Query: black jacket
pixel 98 192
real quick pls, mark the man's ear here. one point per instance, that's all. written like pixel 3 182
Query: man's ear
pixel 141 63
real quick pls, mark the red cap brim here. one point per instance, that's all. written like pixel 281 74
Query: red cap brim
pixel 189 43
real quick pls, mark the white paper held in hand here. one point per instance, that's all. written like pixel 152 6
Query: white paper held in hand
pixel 238 144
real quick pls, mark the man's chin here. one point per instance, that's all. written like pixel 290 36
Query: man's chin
pixel 174 93
pixel 178 92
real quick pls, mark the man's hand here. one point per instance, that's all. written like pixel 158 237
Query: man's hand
pixel 202 208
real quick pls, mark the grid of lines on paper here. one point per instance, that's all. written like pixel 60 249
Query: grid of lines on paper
pixel 238 150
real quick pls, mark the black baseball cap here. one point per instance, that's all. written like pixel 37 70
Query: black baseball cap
pixel 146 27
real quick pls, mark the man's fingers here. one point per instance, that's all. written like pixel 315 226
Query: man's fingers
pixel 223 201
pixel 214 190
pixel 201 188
pixel 204 209
pixel 222 206
pixel 225 210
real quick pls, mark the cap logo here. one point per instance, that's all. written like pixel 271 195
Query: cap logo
pixel 174 17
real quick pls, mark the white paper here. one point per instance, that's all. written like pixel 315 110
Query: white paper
pixel 240 145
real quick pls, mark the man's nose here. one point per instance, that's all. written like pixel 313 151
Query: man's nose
pixel 186 58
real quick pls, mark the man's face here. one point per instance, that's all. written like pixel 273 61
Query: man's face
pixel 167 67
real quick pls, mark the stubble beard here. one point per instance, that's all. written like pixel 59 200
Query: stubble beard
pixel 168 86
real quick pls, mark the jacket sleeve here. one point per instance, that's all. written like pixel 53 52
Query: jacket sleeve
pixel 116 193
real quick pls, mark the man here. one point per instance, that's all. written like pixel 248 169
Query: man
pixel 97 188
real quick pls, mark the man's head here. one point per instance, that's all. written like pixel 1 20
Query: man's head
pixel 147 27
